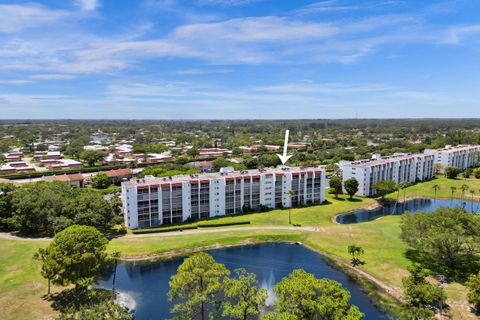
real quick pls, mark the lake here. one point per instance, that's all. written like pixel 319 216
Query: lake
pixel 143 286
pixel 415 205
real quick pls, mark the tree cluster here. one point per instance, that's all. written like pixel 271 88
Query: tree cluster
pixel 45 208
pixel 203 288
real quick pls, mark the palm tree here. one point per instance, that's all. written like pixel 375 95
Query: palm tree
pixel 115 255
pixel 435 189
pixel 290 193
pixel 464 188
pixel 404 185
pixel 453 189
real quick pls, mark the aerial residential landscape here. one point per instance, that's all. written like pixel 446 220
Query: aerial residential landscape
pixel 239 159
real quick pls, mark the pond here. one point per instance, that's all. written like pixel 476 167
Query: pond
pixel 143 286
pixel 415 205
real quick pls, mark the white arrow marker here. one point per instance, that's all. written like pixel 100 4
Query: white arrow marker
pixel 284 158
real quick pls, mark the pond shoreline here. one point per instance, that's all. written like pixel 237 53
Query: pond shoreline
pixel 380 294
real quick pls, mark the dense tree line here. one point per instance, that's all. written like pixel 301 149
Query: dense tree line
pixel 45 208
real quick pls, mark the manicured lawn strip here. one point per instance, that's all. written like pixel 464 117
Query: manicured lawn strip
pixel 425 189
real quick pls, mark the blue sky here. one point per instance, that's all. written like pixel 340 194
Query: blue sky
pixel 239 59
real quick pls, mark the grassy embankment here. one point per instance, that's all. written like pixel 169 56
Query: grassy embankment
pixel 21 287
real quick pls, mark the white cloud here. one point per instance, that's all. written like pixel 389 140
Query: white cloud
pixel 15 82
pixel 52 76
pixel 16 18
pixel 87 5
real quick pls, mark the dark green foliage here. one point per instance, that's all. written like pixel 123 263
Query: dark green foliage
pixel 100 181
pixel 92 156
pixel 355 251
pixel 196 287
pixel 452 172
pixel 104 310
pixel 302 296
pixel 385 187
pixel 336 186
pixel 6 204
pixel 467 173
pixel 446 240
pixel 421 294
pixel 44 208
pixel 243 299
pixel 473 285
pixel 351 186
pixel 74 256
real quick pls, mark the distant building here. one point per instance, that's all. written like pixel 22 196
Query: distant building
pixel 73 180
pixel 399 168
pixel 214 152
pixel 153 157
pixel 62 164
pixel 461 156
pixel 16 167
pixel 202 166
pixel 51 155
pixel 153 201
pixel 118 175
pixel 13 156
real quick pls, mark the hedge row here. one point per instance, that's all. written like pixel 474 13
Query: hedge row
pixel 224 224
pixel 167 229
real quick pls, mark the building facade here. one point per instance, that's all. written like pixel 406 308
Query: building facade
pixel 153 202
pixel 459 156
pixel 399 168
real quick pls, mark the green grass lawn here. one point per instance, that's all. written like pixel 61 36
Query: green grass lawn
pixel 21 286
pixel 425 189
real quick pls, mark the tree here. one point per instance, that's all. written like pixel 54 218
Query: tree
pixel 100 181
pixel 452 172
pixel 290 194
pixel 243 298
pixel 351 186
pixel 336 186
pixel 435 188
pixel 6 203
pixel 476 173
pixel 437 168
pixel 74 256
pixel 305 297
pixel 196 286
pixel 464 188
pixel 452 189
pixel 385 187
pixel 104 310
pixel 446 239
pixel 193 152
pixel 473 285
pixel 36 206
pixel 219 163
pixel 419 293
pixel 355 251
pixel 403 186
pixel 467 173
pixel 92 156
pixel 49 269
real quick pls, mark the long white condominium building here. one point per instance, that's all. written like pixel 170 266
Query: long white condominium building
pixel 153 201
pixel 399 168
pixel 460 156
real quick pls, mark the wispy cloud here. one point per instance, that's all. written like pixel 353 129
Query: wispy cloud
pixel 15 18
pixel 87 5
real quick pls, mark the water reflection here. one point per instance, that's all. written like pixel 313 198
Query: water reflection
pixel 146 283
pixel 412 206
